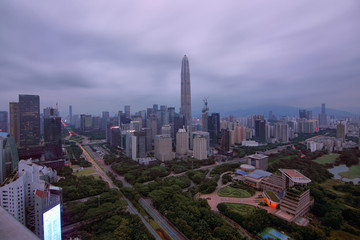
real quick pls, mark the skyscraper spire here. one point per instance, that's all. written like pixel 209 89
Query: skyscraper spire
pixel 185 108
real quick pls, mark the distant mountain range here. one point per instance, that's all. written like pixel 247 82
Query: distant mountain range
pixel 285 111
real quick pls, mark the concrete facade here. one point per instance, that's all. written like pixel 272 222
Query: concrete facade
pixel 163 148
pixel 200 147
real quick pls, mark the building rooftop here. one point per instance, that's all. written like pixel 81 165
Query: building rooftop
pixel 258 156
pixel 257 174
pixel 10 228
pixel 295 176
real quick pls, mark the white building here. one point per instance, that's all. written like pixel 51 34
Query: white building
pixel 27 194
pixel 200 147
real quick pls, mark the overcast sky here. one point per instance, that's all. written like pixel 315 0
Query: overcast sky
pixel 102 55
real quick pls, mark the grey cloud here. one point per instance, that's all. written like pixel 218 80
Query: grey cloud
pixel 241 53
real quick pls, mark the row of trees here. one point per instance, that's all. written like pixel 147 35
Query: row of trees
pixel 75 153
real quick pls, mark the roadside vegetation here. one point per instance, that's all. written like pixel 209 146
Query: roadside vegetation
pixel 75 153
pixel 193 218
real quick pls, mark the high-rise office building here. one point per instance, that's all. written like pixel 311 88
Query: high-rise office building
pixel 260 130
pixel 52 135
pixel 166 130
pixel 285 133
pixel 240 134
pixel 152 123
pixel 3 121
pixel 205 135
pixel 29 116
pixel 200 147
pixel 323 116
pixel 182 142
pixel 138 145
pixel 85 122
pixel 305 114
pixel 214 128
pixel 163 148
pixel 224 140
pixel 205 116
pixel 70 113
pixel 341 131
pixel 171 111
pixel 14 121
pixel 114 136
pixel 8 157
pixel 127 111
pixel 185 108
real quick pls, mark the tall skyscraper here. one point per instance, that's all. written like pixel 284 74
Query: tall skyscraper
pixel 3 121
pixel 205 116
pixel 185 108
pixel 52 135
pixel 14 121
pixel 322 116
pixel 341 131
pixel 214 128
pixel 29 114
pixel 127 111
pixel 70 113
pixel 260 130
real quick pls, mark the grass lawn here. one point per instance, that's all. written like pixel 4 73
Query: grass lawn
pixel 85 172
pixel 233 192
pixel 354 172
pixel 74 167
pixel 328 158
pixel 240 208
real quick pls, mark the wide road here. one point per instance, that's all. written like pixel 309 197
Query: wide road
pixel 161 220
pixel 101 172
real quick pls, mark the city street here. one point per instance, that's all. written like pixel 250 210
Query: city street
pixel 132 209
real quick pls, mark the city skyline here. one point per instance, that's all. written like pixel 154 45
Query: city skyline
pixel 243 55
